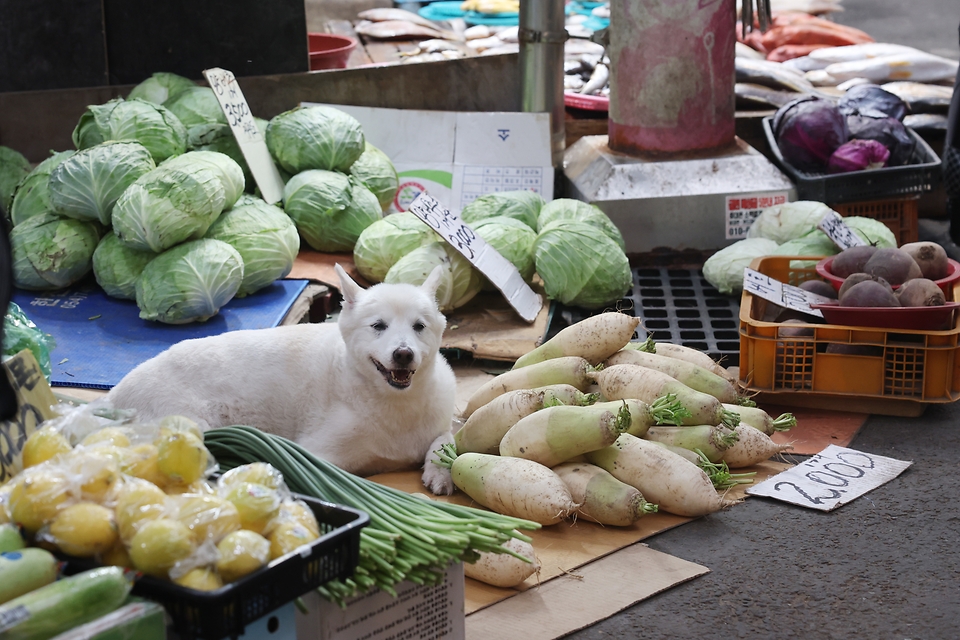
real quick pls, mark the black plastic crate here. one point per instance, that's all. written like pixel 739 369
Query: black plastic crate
pixel 922 174
pixel 676 305
pixel 225 612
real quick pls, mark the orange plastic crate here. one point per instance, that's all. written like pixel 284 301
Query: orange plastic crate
pixel 899 371
pixel 901 215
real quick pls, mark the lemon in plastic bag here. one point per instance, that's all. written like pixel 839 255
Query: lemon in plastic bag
pixel 140 461
pixel 97 472
pixel 179 423
pixel 107 435
pixel 201 579
pixel 298 511
pixel 288 536
pixel 38 494
pixel 242 552
pixel 159 544
pixel 256 472
pixel 257 504
pixel 182 457
pixel 42 445
pixel 208 516
pixel 138 502
pixel 116 556
pixel 84 529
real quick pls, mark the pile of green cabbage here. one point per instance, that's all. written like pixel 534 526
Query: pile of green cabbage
pixel 789 229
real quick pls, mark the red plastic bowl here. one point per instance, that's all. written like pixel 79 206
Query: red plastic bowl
pixel 945 284
pixel 329 51
pixel 937 318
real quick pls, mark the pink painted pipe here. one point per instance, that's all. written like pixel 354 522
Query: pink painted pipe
pixel 671 75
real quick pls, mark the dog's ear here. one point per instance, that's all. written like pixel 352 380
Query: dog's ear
pixel 350 289
pixel 432 282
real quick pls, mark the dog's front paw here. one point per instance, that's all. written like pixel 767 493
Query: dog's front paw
pixel 437 479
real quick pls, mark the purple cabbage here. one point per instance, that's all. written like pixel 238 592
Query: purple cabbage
pixel 872 101
pixel 858 155
pixel 808 130
pixel 889 132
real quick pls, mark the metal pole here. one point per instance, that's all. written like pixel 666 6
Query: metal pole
pixel 542 34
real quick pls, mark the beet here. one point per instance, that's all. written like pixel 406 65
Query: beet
pixel 819 287
pixel 851 260
pixel 855 278
pixel 931 257
pixel 795 328
pixel 920 292
pixel 893 265
pixel 869 293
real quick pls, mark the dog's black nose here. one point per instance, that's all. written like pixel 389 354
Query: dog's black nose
pixel 403 357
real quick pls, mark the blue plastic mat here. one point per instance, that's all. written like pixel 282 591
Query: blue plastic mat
pixel 100 339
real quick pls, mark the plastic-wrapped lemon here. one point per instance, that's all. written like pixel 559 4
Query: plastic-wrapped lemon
pixel 160 544
pixel 138 502
pixel 107 435
pixel 140 461
pixel 209 517
pixel 202 486
pixel 97 473
pixel 182 457
pixel 299 511
pixel 43 444
pixel 84 529
pixel 288 536
pixel 5 490
pixel 179 423
pixel 257 504
pixel 256 472
pixel 201 579
pixel 241 552
pixel 116 556
pixel 37 495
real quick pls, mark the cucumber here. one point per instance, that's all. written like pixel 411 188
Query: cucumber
pixel 25 570
pixel 10 538
pixel 57 607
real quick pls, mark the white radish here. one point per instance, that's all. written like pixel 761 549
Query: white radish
pixel 760 419
pixel 686 454
pixel 692 375
pixel 624 381
pixel 682 352
pixel 556 434
pixel 664 410
pixel 483 430
pixel 711 440
pixel 504 569
pixel 570 370
pixel 603 498
pixel 751 448
pixel 510 486
pixel 674 483
pixel 593 338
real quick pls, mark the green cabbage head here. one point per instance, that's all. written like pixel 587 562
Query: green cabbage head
pixel 152 125
pixel 387 240
pixel 265 237
pixel 581 267
pixel 167 206
pixel 226 168
pixel 219 137
pixel 522 205
pixel 788 221
pixel 160 87
pixel 117 267
pixel 190 282
pixel 330 209
pixel 86 185
pixel 51 252
pixel 513 240
pixel 572 209
pixel 196 107
pixel 460 281
pixel 32 196
pixel 315 137
pixel 376 172
pixel 724 269
pixel 14 167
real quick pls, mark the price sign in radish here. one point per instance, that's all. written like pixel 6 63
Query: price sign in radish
pixel 832 478
pixel 785 295
pixel 494 266
pixel 843 236
pixel 245 130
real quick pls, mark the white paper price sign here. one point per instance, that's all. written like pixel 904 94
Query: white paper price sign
pixel 244 128
pixel 498 269
pixel 833 477
pixel 785 295
pixel 742 209
pixel 843 236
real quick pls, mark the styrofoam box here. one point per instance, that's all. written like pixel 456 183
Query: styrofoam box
pixel 417 612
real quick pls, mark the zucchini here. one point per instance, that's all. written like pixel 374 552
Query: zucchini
pixel 10 538
pixel 64 604
pixel 24 570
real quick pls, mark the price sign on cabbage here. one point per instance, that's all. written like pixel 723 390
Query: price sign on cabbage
pixel 833 477
pixel 843 236
pixel 785 295
pixel 488 260
pixel 244 128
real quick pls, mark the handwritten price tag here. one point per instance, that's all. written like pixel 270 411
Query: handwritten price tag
pixel 843 236
pixel 785 295
pixel 245 130
pixel 498 269
pixel 833 477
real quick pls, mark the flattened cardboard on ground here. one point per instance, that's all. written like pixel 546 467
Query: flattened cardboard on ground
pixel 486 327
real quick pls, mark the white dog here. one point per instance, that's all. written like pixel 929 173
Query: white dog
pixel 370 394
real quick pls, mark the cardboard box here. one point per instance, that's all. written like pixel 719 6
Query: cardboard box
pixel 416 612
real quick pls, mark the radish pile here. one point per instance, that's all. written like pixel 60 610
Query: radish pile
pixel 591 425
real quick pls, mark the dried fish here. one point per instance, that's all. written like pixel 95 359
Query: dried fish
pixel 771 74
pixel 917 66
pixel 746 51
pixel 854 52
pixel 751 95
pixel 598 80
pixel 386 14
pixel 401 29
pixel 921 97
pixel 926 121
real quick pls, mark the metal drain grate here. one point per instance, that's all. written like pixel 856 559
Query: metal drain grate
pixel 680 306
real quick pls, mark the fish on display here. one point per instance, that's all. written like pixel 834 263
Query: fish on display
pixel 401 29
pixel 387 14
pixel 598 80
pixel 752 96
pixel 917 66
pixel 926 121
pixel 772 74
pixel 921 97
pixel 854 52
pixel 746 51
